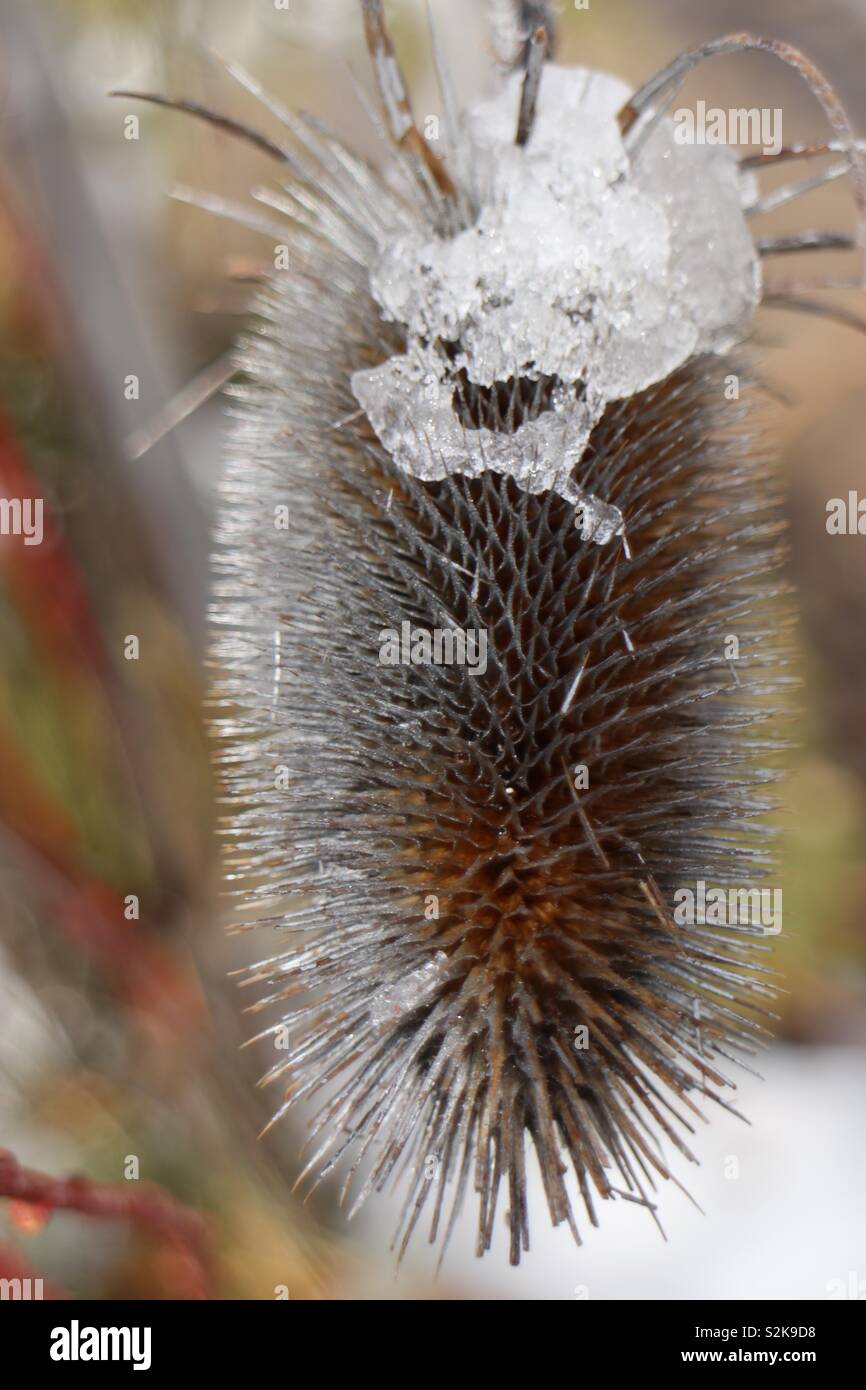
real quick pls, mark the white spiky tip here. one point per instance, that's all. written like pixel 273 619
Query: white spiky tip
pixel 582 265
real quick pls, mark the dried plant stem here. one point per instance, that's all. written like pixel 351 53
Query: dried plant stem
pixel 143 1204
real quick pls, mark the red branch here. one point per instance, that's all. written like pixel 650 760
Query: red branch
pixel 144 1204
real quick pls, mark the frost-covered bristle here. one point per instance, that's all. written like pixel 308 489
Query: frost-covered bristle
pixel 469 869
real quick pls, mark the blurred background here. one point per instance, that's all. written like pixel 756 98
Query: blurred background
pixel 120 1024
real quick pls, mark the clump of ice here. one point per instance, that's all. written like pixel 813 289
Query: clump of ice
pixel 393 1002
pixel 581 266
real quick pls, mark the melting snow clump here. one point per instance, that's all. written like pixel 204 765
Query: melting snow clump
pixel 584 268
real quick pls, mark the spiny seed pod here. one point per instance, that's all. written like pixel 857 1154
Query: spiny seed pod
pixel 485 723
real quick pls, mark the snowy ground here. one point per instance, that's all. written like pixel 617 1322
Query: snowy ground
pixel 793 1221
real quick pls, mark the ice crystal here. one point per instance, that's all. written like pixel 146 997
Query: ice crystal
pixel 392 1003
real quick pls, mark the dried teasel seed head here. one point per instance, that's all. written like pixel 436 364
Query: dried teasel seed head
pixel 473 852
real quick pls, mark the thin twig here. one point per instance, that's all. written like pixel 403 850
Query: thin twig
pixel 144 1204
